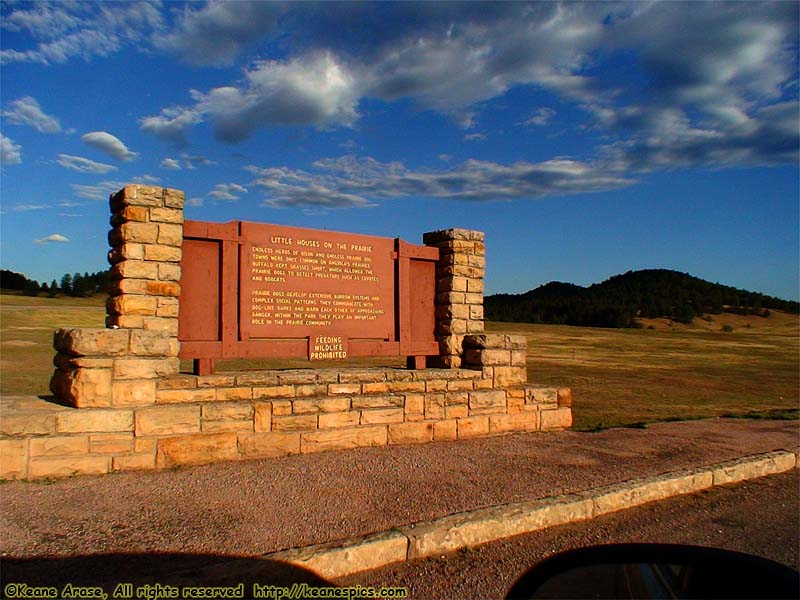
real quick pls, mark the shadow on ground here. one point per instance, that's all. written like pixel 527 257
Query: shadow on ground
pixel 108 571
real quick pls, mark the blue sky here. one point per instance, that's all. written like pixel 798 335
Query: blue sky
pixel 585 139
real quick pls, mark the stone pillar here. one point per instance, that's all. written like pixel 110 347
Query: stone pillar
pixel 501 357
pixel 459 290
pixel 145 255
pixel 119 365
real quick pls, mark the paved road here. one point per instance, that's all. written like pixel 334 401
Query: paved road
pixel 758 517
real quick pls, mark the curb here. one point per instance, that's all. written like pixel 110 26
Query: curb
pixel 447 534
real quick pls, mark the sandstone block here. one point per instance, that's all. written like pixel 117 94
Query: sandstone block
pixel 294 423
pixel 435 385
pixel 454 398
pixel 137 392
pixel 163 288
pixel 161 324
pixel 523 421
pixel 406 386
pixel 382 415
pixel 135 269
pixel 227 411
pixel 138 233
pixel 475 327
pixel 752 467
pixel 136 195
pixel 145 445
pixel 111 443
pixel 262 417
pixel 226 426
pixel 564 396
pixel 27 424
pixel 410 433
pixel 281 407
pixel 274 391
pixel 131 304
pixel 134 462
pixel 443 297
pixel 153 343
pixel 126 251
pixel 13 459
pixel 297 377
pixel 83 387
pixel 339 419
pixel 508 376
pixel 177 396
pixel 344 388
pixel 166 215
pixel 178 382
pixel 377 401
pixel 475 286
pixel 91 341
pixel 473 427
pixel 129 213
pixel 434 406
pixel 168 272
pixel 310 390
pixel 379 387
pixel 173 198
pixel 143 368
pixel 66 362
pixel 540 395
pixel 268 445
pixel 258 378
pixel 197 449
pixel 68 466
pixel 167 307
pixel 218 381
pixel 414 403
pixel 167 420
pixel 325 405
pixel 456 412
pixel 342 439
pixel 557 418
pixel 125 321
pixel 445 430
pixel 170 234
pixel 235 393
pixel 128 286
pixel 460 385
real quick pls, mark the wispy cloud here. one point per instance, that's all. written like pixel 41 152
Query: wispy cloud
pixel 10 153
pixel 227 191
pixel 170 163
pixel 66 30
pixel 350 181
pixel 542 116
pixel 79 163
pixel 53 237
pixel 97 191
pixel 26 111
pixel 109 144
pixel 27 207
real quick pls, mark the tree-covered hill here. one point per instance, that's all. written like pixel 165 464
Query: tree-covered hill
pixel 620 300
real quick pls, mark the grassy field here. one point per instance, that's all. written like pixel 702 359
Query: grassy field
pixel 618 377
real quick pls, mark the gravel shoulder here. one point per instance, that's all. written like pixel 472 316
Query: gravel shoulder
pixel 252 508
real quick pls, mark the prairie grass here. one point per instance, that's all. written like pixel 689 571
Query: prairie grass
pixel 619 377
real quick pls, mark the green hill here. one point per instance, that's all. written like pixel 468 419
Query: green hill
pixel 621 300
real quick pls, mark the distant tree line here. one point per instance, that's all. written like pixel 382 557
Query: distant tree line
pixel 70 284
pixel 621 300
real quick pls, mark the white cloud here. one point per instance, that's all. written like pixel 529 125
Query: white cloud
pixel 27 207
pixel 97 191
pixel 53 237
pixel 109 144
pixel 172 124
pixel 194 161
pixel 170 163
pixel 350 181
pixel 26 111
pixel 227 191
pixel 10 153
pixel 64 31
pixel 542 116
pixel 473 137
pixel 79 163
pixel 215 33
pixel 194 202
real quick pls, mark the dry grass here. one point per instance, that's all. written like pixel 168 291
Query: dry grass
pixel 618 377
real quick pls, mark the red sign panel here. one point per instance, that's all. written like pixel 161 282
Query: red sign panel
pixel 300 282
pixel 251 290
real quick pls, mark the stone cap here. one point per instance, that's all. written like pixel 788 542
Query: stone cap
pixel 146 195
pixel 495 340
pixel 446 235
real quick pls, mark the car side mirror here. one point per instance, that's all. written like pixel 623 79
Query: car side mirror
pixel 656 571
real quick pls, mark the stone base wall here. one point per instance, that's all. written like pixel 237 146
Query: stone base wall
pixel 192 419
